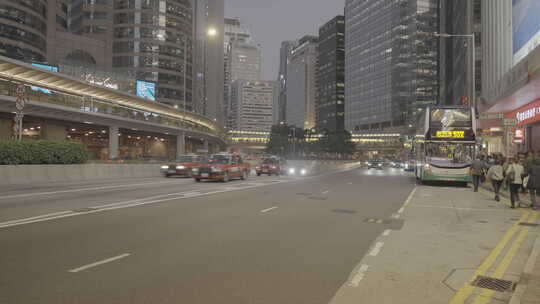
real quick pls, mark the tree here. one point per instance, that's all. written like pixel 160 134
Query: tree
pixel 337 142
pixel 279 140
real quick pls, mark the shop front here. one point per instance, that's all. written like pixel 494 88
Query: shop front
pixel 527 133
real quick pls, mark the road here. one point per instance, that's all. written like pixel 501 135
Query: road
pixel 265 240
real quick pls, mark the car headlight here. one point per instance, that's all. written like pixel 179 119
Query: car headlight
pixel 216 170
pixel 380 165
pixel 164 167
pixel 273 167
pixel 427 167
pixel 195 169
pixel 180 167
pixel 257 167
pixel 292 170
pixel 303 172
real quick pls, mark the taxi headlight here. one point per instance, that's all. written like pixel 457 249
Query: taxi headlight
pixel 292 170
pixel 195 169
pixel 164 167
pixel 180 167
pixel 216 170
pixel 303 172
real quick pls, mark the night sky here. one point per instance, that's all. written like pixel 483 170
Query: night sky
pixel 273 21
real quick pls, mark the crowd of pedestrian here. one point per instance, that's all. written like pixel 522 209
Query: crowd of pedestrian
pixel 516 174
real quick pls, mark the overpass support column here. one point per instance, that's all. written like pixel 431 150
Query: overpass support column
pixel 180 144
pixel 113 142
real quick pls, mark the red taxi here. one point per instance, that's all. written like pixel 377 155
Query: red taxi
pixel 271 166
pixel 222 167
pixel 183 166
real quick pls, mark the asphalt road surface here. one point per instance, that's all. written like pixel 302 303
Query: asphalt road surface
pixel 266 240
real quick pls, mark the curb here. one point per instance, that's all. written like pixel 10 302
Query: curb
pixel 527 271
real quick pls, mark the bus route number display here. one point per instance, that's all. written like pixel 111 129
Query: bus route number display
pixel 450 134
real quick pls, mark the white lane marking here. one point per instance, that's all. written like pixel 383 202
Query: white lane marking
pixel 386 232
pixel 269 209
pixel 359 276
pixel 325 192
pixel 349 183
pixel 376 249
pixel 75 270
pixel 82 190
pixel 128 204
pixel 396 216
pixel 401 210
pixel 409 198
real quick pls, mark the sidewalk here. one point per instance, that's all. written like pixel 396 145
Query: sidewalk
pixel 528 288
pixel 450 237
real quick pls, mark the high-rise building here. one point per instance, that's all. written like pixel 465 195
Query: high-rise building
pixel 23 29
pixel 460 18
pixel 254 102
pixel 391 61
pixel 284 53
pixel 235 30
pixel 331 98
pixel 209 18
pixel 153 41
pixel 302 87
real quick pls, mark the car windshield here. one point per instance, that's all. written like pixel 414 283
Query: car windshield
pixel 270 161
pixel 219 159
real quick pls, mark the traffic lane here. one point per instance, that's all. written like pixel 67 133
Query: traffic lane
pixel 40 203
pixel 216 249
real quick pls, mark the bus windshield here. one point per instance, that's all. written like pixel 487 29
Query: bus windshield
pixel 449 154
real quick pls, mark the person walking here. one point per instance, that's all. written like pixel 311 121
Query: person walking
pixel 533 172
pixel 477 170
pixel 495 174
pixel 514 175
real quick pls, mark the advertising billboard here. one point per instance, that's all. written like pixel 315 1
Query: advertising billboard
pixel 526 27
pixel 146 90
pixel 51 68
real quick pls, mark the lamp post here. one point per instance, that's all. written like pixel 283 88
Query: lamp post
pixel 473 58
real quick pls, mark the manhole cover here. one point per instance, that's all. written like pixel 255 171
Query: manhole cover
pixel 528 224
pixel 83 210
pixel 344 211
pixel 493 284
pixel 317 198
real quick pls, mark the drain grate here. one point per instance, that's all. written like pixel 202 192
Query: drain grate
pixel 344 211
pixel 83 210
pixel 528 224
pixel 493 284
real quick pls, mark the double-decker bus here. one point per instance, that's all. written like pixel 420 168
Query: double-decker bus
pixel 445 144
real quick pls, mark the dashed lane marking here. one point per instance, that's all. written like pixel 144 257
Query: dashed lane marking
pixel 85 267
pixel 359 275
pixel 376 249
pixel 386 232
pixel 409 198
pixel 269 209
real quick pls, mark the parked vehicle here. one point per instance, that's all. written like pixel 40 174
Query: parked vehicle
pixel 222 167
pixel 183 166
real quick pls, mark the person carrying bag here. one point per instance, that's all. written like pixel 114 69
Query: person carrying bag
pixel 496 175
pixel 514 176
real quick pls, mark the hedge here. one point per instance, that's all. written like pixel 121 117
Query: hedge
pixel 42 152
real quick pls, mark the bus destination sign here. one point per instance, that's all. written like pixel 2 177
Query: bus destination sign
pixel 450 134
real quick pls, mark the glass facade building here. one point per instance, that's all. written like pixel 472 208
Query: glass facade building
pixel 392 61
pixel 153 40
pixel 284 53
pixel 23 29
pixel 331 99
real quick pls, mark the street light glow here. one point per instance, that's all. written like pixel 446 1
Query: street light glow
pixel 212 32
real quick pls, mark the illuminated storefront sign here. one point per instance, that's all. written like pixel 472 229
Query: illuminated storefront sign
pixel 450 134
pixel 527 114
pixel 50 68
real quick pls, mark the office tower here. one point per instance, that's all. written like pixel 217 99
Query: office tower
pixel 391 59
pixel 254 102
pixel 331 98
pixel 284 53
pixel 302 84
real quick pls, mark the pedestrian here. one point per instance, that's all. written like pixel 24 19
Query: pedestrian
pixel 533 184
pixel 514 175
pixel 495 174
pixel 477 170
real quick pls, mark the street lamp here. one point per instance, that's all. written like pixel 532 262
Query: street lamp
pixel 473 57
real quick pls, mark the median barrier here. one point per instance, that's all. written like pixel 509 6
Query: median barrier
pixel 36 174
